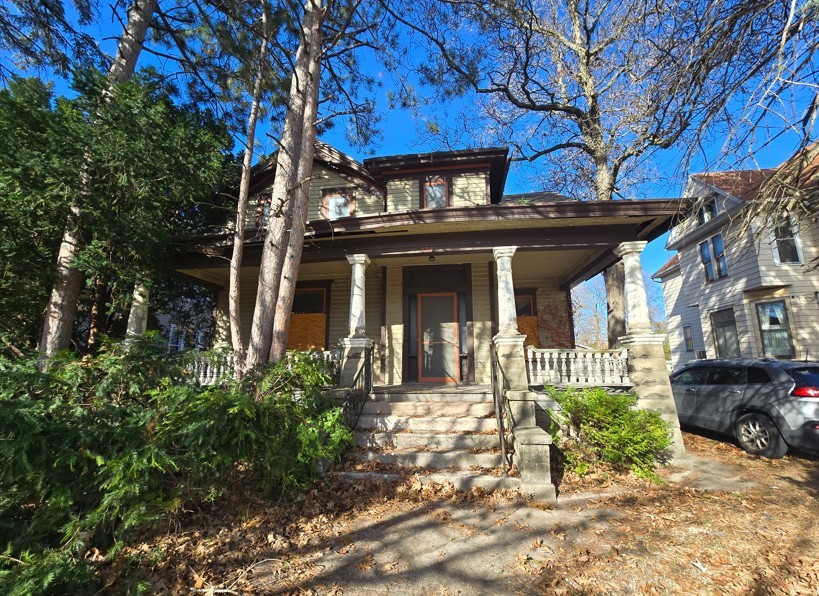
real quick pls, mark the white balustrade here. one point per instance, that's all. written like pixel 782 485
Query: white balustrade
pixel 210 369
pixel 577 367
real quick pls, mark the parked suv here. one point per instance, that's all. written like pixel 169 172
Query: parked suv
pixel 768 405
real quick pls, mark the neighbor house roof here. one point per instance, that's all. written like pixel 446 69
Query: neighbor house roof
pixel 672 264
pixel 742 184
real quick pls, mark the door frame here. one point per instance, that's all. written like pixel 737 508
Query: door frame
pixel 426 279
pixel 456 323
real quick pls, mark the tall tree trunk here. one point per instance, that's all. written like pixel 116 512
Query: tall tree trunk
pixel 234 313
pixel 615 278
pixel 284 184
pixel 295 244
pixel 61 309
pixel 97 317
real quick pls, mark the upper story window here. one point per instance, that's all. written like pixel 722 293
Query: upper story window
pixel 712 255
pixel 435 192
pixel 785 242
pixel 338 203
pixel 708 211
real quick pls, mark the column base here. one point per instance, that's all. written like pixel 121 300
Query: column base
pixel 512 360
pixel 353 352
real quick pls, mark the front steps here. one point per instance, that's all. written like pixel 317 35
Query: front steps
pixel 444 434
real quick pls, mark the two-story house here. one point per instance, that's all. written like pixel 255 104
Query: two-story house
pixel 736 289
pixel 426 233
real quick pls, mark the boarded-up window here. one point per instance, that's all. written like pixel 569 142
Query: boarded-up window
pixel 526 310
pixel 308 321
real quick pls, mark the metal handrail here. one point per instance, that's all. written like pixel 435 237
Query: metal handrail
pixel 497 394
pixel 357 395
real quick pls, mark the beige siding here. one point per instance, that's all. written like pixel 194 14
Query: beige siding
pixel 482 316
pixel 679 315
pixel 469 189
pixel 402 195
pixel 339 322
pixel 395 326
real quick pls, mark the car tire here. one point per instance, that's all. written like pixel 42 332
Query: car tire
pixel 758 435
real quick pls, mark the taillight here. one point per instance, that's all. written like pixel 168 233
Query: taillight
pixel 806 392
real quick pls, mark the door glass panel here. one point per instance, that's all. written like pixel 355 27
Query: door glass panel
pixel 438 337
pixel 725 334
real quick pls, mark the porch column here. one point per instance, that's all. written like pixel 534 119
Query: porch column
pixel 646 357
pixel 507 315
pixel 355 345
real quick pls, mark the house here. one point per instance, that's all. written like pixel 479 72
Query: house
pixel 737 288
pixel 419 267
pixel 428 232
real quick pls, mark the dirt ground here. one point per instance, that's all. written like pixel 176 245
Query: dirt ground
pixel 724 522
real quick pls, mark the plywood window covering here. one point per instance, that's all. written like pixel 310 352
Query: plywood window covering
pixel 526 308
pixel 308 321
pixel 436 192
pixel 338 203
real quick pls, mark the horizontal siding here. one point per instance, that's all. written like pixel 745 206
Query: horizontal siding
pixel 402 195
pixel 482 316
pixel 469 189
pixel 395 326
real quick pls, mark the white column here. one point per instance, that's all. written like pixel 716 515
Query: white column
pixel 138 317
pixel 637 318
pixel 359 263
pixel 507 314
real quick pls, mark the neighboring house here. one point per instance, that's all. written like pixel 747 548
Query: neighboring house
pixel 736 291
pixel 426 233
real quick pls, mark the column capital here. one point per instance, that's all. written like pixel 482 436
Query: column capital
pixel 358 259
pixel 503 251
pixel 625 248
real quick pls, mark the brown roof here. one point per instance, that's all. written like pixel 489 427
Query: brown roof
pixel 672 262
pixel 742 184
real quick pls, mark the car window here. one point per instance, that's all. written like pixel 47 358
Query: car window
pixel 808 375
pixel 758 375
pixel 692 376
pixel 726 375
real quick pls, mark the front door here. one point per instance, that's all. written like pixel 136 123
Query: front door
pixel 438 343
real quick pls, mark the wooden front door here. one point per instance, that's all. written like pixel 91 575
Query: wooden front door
pixel 438 343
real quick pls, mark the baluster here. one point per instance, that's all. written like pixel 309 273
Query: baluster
pixel 597 376
pixel 541 369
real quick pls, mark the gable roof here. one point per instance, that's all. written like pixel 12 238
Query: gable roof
pixel 742 184
pixel 672 264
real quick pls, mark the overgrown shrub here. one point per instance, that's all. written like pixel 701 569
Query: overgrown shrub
pixel 95 448
pixel 596 426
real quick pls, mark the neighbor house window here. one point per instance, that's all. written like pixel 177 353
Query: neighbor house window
pixel 787 247
pixel 726 338
pixel 774 329
pixel 338 204
pixel 712 254
pixel 435 193
pixel 689 340
pixel 708 211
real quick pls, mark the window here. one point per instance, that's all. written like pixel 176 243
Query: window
pixel 435 192
pixel 774 329
pixel 712 255
pixel 726 375
pixel 525 304
pixel 338 204
pixel 708 211
pixel 758 376
pixel 726 339
pixel 309 301
pixel 786 245
pixel 692 376
pixel 262 209
pixel 689 340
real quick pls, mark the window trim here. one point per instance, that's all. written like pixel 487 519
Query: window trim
pixel 443 180
pixel 337 192
pixel 688 338
pixel 787 326
pixel 717 260
pixel 796 240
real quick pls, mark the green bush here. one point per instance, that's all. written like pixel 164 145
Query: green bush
pixel 594 426
pixel 95 448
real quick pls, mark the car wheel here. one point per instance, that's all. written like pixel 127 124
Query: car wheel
pixel 758 435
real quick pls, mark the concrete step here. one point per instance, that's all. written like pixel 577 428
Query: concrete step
pixel 431 396
pixel 412 408
pixel 423 423
pixel 458 459
pixel 431 440
pixel 460 480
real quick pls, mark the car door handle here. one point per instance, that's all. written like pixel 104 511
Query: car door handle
pixel 733 391
pixel 690 390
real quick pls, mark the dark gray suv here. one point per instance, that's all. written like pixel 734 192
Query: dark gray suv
pixel 768 405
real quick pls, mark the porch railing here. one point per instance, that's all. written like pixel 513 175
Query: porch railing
pixel 357 395
pixel 498 387
pixel 212 368
pixel 577 367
